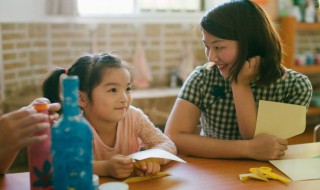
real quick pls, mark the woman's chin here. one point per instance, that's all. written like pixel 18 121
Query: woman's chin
pixel 224 75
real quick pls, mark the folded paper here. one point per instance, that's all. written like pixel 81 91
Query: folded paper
pixel 280 119
pixel 155 153
pixel 264 174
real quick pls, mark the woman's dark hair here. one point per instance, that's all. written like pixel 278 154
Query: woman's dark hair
pixel 246 22
pixel 90 70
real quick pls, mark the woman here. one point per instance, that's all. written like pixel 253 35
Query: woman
pixel 245 54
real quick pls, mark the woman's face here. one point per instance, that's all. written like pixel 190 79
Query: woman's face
pixel 224 53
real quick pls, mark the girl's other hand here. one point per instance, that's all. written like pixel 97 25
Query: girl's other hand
pixel 120 166
pixel 149 166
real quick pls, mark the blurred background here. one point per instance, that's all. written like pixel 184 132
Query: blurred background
pixel 160 38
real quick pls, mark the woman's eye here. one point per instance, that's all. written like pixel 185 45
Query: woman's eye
pixel 112 90
pixel 218 48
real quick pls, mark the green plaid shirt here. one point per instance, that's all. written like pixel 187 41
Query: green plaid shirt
pixel 218 114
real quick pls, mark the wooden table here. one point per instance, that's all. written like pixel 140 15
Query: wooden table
pixel 199 174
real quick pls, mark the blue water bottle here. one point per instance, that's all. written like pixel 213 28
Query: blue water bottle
pixel 71 143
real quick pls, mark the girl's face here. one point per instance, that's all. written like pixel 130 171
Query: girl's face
pixel 111 98
pixel 223 53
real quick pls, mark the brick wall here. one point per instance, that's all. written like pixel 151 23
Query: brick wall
pixel 30 50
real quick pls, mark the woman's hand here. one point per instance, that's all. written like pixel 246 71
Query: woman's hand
pixel 267 147
pixel 249 71
pixel 18 129
pixel 120 166
pixel 149 166
pixel 53 108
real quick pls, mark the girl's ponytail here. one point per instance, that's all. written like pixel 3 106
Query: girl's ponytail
pixel 51 86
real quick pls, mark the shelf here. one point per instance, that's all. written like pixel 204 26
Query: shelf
pixel 308 26
pixel 288 28
pixel 307 68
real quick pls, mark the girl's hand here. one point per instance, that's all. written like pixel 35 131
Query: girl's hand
pixel 149 166
pixel 267 147
pixel 249 71
pixel 120 166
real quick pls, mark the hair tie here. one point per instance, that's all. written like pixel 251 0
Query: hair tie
pixel 66 71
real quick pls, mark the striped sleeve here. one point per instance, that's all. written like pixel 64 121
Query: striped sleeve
pixel 302 91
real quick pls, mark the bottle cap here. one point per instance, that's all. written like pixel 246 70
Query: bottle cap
pixel 114 186
pixel 41 106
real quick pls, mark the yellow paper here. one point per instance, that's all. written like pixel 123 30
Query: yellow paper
pixel 144 178
pixel 263 173
pixel 245 177
pixel 258 173
pixel 155 153
pixel 280 119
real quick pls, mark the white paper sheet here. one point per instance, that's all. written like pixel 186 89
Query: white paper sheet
pixel 301 161
pixel 155 153
pixel 299 169
pixel 300 151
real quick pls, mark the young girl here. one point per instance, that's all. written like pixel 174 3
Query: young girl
pixel 240 39
pixel 119 129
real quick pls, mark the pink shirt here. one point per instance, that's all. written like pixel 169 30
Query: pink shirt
pixel 134 131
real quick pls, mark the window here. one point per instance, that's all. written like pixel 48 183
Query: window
pixel 170 5
pixel 105 7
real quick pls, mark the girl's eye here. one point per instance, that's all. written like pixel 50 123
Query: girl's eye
pixel 128 89
pixel 218 48
pixel 112 90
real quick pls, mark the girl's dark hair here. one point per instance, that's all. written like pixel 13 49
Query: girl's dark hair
pixel 246 22
pixel 90 70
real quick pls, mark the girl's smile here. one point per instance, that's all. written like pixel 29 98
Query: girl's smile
pixel 122 109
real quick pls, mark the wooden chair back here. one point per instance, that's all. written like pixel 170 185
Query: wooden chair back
pixel 316 133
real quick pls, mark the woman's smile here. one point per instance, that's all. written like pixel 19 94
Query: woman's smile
pixel 222 67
